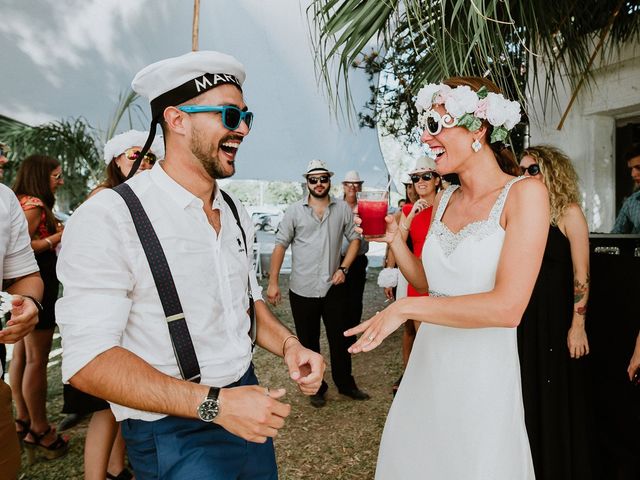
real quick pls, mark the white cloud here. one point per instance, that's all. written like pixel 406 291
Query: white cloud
pixel 25 114
pixel 59 36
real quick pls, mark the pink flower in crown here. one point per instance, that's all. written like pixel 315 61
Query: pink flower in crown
pixel 443 94
pixel 481 109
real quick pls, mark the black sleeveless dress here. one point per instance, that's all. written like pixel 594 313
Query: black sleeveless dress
pixel 555 387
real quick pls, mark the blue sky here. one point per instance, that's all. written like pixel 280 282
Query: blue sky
pixel 70 58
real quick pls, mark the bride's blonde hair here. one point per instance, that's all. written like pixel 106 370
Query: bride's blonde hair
pixel 558 175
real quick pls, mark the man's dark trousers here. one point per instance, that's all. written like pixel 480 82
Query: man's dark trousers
pixel 355 281
pixel 182 448
pixel 307 312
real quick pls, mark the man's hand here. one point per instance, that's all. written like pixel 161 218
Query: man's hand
pixel 306 367
pixel 273 294
pixel 24 317
pixel 252 412
pixel 388 292
pixel 338 277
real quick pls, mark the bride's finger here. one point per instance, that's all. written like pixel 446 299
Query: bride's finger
pixel 358 328
pixel 367 342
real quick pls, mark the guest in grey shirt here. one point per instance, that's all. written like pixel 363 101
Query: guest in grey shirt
pixel 315 228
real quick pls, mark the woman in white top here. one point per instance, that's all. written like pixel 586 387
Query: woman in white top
pixel 458 413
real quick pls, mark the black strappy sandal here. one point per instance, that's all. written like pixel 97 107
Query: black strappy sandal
pixel 25 428
pixel 57 449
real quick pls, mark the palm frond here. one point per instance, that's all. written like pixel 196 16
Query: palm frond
pixel 439 39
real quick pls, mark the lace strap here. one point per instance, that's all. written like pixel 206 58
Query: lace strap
pixel 444 201
pixel 496 211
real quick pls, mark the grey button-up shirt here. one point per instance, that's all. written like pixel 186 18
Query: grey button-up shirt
pixel 315 244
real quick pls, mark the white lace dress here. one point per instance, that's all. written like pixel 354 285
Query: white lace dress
pixel 458 414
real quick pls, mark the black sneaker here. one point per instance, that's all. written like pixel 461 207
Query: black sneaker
pixel 318 400
pixel 356 394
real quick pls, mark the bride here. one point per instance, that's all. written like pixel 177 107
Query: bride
pixel 458 414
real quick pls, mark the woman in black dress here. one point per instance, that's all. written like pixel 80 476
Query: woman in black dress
pixel 552 340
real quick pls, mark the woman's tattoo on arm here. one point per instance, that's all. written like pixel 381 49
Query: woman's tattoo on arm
pixel 580 289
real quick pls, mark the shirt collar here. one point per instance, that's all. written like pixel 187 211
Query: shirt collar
pixel 180 195
pixel 305 201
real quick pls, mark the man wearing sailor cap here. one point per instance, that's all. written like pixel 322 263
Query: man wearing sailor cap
pixel 177 368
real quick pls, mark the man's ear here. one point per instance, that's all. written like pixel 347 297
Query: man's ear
pixel 175 120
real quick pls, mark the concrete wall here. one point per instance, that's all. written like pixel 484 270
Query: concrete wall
pixel 588 134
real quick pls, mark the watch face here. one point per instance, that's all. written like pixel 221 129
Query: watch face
pixel 208 410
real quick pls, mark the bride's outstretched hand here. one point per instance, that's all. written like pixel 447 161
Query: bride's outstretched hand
pixel 392 228
pixel 376 329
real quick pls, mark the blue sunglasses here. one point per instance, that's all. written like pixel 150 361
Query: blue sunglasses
pixel 231 116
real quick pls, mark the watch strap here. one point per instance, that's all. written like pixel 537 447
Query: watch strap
pixel 213 393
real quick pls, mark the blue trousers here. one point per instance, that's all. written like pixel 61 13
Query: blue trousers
pixel 181 448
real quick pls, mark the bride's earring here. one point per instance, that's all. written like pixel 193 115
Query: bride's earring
pixel 476 145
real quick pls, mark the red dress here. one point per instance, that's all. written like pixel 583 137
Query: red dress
pixel 418 233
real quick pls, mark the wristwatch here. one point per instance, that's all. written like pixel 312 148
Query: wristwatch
pixel 210 407
pixel 345 270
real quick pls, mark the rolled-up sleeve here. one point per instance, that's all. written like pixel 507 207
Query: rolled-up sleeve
pixel 285 232
pixel 97 280
pixel 19 259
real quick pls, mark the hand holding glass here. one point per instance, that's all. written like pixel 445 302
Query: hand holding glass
pixel 372 208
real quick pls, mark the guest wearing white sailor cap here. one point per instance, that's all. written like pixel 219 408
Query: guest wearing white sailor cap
pixel 121 153
pixel 104 449
pixel 119 342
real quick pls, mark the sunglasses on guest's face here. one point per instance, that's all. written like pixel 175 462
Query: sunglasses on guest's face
pixel 133 154
pixel 315 180
pixel 533 169
pixel 232 116
pixel 425 176
pixel 57 176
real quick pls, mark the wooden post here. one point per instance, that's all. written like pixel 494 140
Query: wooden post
pixel 196 23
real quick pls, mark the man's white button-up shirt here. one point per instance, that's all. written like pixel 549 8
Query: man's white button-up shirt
pixel 16 255
pixel 110 298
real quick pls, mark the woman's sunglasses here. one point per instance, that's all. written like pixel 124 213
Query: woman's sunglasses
pixel 133 154
pixel 315 180
pixel 433 122
pixel 232 116
pixel 425 176
pixel 533 169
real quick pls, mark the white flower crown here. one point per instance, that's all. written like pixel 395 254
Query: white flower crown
pixel 5 304
pixel 470 108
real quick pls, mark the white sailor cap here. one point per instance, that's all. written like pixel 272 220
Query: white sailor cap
pixel 173 81
pixel 133 138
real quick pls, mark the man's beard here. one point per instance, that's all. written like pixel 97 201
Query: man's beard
pixel 313 193
pixel 204 152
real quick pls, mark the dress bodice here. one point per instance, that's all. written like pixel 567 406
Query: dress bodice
pixel 464 262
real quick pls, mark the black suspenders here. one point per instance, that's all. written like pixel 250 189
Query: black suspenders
pixel 176 322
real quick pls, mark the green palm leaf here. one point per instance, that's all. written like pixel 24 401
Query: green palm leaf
pixel 438 39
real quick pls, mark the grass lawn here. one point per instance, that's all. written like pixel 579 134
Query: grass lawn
pixel 339 441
